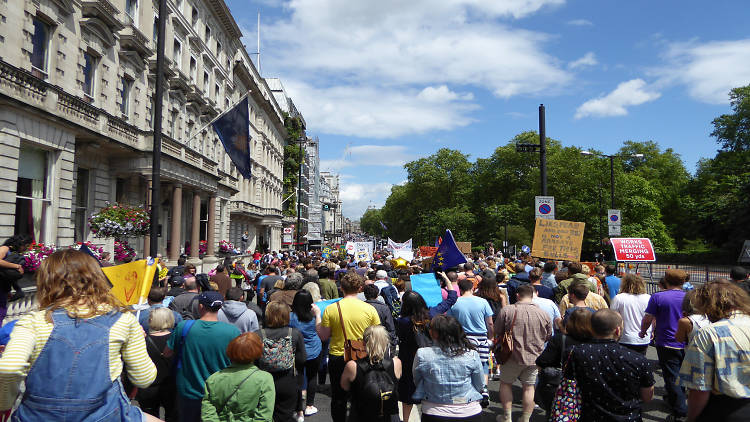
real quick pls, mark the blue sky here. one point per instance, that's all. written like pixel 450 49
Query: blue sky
pixel 383 82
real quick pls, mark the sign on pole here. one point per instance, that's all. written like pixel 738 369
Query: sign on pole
pixel 288 230
pixel 745 254
pixel 558 239
pixel 545 207
pixel 614 221
pixel 633 249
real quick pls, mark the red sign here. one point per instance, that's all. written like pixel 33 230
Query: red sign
pixel 633 249
pixel 426 251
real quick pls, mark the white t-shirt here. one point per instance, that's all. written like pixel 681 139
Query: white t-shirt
pixel 632 308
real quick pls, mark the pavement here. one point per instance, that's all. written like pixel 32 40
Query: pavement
pixel 656 410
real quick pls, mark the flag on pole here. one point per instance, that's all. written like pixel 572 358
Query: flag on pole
pixel 448 255
pixel 233 128
pixel 383 226
pixel 131 282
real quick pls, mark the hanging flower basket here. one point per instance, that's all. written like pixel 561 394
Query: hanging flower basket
pixel 226 246
pixel 123 251
pixel 120 221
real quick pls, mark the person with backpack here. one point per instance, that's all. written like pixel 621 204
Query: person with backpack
pixel 284 356
pixel 163 391
pixel 305 317
pixel 200 346
pixel 412 329
pixel 242 391
pixel 448 375
pixel 186 303
pixel 373 380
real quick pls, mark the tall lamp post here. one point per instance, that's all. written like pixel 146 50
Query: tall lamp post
pixel 611 168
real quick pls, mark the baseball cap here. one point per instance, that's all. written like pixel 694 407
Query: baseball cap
pixel 381 274
pixel 211 299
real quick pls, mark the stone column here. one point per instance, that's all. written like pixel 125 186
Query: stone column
pixel 195 237
pixel 211 238
pixel 147 238
pixel 174 239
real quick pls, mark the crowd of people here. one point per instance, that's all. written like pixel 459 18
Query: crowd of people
pixel 254 341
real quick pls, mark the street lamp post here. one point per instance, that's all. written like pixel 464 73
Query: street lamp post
pixel 301 141
pixel 611 168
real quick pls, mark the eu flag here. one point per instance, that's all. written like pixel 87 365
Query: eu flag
pixel 233 128
pixel 448 255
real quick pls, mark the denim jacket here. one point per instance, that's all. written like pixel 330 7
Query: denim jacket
pixel 443 379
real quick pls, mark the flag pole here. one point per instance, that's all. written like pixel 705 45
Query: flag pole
pixel 194 134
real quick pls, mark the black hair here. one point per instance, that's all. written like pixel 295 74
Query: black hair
pixel 549 266
pixel 371 291
pixel 738 273
pixel 465 285
pixel 302 305
pixel 234 293
pixel 181 260
pixel 17 242
pixel 451 338
pixel 220 268
pixel 414 306
pixel 610 269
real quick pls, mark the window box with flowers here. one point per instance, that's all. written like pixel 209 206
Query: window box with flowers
pixel 226 247
pixel 123 251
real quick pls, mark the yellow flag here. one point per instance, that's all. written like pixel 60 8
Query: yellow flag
pixel 131 282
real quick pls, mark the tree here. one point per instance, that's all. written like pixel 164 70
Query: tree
pixel 370 222
pixel 732 131
pixel 293 158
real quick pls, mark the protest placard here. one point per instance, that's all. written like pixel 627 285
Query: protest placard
pixel 464 247
pixel 426 251
pixel 558 239
pixel 428 286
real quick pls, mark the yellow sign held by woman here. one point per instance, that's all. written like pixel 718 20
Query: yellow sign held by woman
pixel 131 282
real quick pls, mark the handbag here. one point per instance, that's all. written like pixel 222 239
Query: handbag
pixel 566 406
pixel 504 348
pixel 353 349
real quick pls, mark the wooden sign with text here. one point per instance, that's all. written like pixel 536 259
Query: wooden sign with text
pixel 558 239
pixel 464 247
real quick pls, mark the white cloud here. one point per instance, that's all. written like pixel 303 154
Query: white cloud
pixel 708 70
pixel 631 93
pixel 588 59
pixel 580 22
pixel 390 68
pixel 369 155
pixel 357 197
pixel 517 115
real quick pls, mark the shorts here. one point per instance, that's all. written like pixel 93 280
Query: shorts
pixel 510 371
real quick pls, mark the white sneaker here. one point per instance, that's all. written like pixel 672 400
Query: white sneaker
pixel 311 410
pixel 300 419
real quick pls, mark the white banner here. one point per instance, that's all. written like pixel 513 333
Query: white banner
pixel 363 251
pixel 395 246
pixel 407 255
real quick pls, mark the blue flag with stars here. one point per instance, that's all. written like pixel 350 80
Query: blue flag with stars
pixel 448 255
pixel 233 129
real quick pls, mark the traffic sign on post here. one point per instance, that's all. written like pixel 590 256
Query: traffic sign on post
pixel 614 221
pixel 545 207
pixel 633 249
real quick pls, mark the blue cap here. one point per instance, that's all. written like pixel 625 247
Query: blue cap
pixel 211 299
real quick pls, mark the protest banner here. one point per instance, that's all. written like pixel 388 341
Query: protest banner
pixel 363 251
pixel 403 253
pixel 427 251
pixel 131 282
pixel 633 249
pixel 428 286
pixel 557 239
pixel 464 247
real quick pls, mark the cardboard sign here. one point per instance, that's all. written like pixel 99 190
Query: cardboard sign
pixel 464 247
pixel 633 249
pixel 558 239
pixel 426 251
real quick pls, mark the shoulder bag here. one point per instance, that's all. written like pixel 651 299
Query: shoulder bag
pixel 504 348
pixel 221 408
pixel 353 349
pixel 566 406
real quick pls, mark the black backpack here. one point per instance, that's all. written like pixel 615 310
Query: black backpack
pixel 378 392
pixel 422 336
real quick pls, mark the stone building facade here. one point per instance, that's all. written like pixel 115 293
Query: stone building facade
pixel 77 80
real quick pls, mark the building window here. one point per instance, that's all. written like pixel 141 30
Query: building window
pixel 195 18
pixel 217 93
pixel 156 29
pixel 81 205
pixel 208 35
pixel 177 53
pixel 206 84
pixel 40 45
pixel 193 69
pixel 218 50
pixel 127 84
pixel 226 103
pixel 179 5
pixel 173 126
pixel 131 10
pixel 32 200
pixel 89 74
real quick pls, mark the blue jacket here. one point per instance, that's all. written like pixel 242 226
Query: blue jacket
pixel 443 379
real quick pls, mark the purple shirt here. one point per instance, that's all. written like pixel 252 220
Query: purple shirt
pixel 666 307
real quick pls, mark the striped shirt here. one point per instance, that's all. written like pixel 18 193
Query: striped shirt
pixel 126 343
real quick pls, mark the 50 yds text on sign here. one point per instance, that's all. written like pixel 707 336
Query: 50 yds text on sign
pixel 633 249
pixel 558 239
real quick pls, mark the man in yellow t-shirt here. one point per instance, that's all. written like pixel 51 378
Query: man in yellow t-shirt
pixel 357 316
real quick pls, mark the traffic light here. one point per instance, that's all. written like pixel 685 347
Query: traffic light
pixel 326 207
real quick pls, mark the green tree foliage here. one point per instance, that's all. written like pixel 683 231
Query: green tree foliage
pixel 293 156
pixel 732 131
pixel 370 222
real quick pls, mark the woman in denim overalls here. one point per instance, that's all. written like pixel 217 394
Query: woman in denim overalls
pixel 72 375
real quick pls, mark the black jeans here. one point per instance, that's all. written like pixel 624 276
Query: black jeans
pixel 726 409
pixel 152 398
pixel 311 376
pixel 323 369
pixel 287 396
pixel 189 409
pixel 640 348
pixel 670 361
pixel 339 397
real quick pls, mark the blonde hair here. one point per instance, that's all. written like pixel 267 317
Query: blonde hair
pixel 633 284
pixel 161 319
pixel 377 341
pixel 585 269
pixel 73 280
